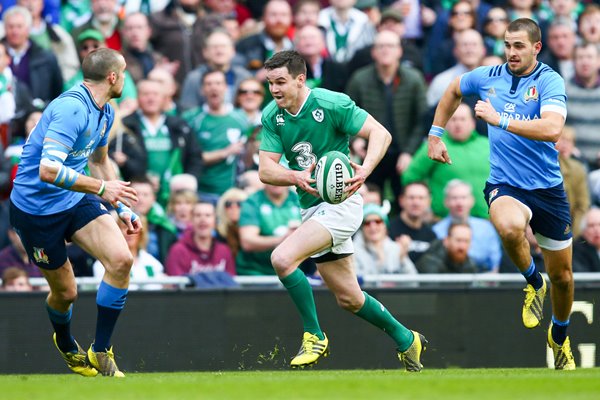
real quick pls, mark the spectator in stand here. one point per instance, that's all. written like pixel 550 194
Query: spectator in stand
pixel 321 71
pixel 139 55
pixel 440 50
pixel 198 251
pixel 51 36
pixel 14 255
pixel 255 49
pixel 391 20
pixel 450 254
pixel 219 53
pixel 495 24
pixel 574 177
pixel 267 218
pixel 569 9
pixel 347 29
pixel 52 9
pixel 220 131
pixel 394 95
pixel 586 249
pixel 412 224
pixel 469 51
pixel 15 279
pixel 146 7
pixel 170 146
pixel 88 41
pixel 375 252
pixel 525 9
pixel 249 98
pixel 35 67
pixel 162 233
pixel 8 104
pixel 165 78
pixel 589 24
pixel 144 266
pixel 180 209
pixel 178 33
pixel 558 53
pixel 232 8
pixel 306 12
pixel 104 19
pixel 583 91
pixel 485 248
pixel 250 182
pixel 471 165
pixel 228 218
pixel 183 182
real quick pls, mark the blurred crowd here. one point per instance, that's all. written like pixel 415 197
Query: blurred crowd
pixel 188 124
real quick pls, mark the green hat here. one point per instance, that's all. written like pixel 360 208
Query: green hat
pixel 374 209
pixel 90 34
pixel 364 4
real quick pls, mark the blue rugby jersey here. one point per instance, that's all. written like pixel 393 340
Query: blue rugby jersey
pixel 515 160
pixel 74 120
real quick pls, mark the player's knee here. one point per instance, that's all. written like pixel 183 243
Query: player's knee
pixel 66 295
pixel 281 262
pixel 121 264
pixel 510 232
pixel 348 302
pixel 561 278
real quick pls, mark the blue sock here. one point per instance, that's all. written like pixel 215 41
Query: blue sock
pixel 110 301
pixel 534 278
pixel 61 322
pixel 559 330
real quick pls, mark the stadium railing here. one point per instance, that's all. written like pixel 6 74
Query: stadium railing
pixel 381 280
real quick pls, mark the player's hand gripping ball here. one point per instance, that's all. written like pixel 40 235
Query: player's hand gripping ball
pixel 332 170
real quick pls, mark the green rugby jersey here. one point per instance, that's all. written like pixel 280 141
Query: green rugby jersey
pixel 324 123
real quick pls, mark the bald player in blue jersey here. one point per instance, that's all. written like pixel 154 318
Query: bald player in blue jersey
pixel 524 104
pixel 54 201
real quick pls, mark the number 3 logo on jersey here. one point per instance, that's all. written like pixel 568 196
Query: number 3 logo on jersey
pixel 306 157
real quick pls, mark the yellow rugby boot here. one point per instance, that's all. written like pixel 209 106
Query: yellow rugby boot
pixel 533 307
pixel 77 361
pixel 104 362
pixel 563 356
pixel 412 356
pixel 311 350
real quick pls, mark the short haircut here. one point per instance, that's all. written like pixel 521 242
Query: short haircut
pixel 12 273
pixel 99 63
pixel 455 225
pixel 584 45
pixel 416 183
pixel 18 10
pixel 527 25
pixel 290 59
pixel 210 72
pixel 454 183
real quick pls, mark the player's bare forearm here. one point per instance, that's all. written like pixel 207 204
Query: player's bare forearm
pixel 448 104
pixel 379 140
pixel 273 173
pixel 547 129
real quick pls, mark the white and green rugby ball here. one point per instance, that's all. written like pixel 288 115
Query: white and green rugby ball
pixel 331 173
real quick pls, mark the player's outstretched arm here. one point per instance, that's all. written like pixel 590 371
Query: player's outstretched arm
pixel 379 140
pixel 436 149
pixel 273 173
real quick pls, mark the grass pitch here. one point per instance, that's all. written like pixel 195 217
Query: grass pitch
pixel 483 384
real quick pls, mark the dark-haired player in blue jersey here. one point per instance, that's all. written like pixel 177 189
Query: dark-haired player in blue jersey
pixel 523 103
pixel 53 200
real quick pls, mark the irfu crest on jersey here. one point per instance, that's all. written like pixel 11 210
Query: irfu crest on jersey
pixel 318 115
pixel 279 119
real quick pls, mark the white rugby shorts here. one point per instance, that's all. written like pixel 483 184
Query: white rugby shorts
pixel 341 220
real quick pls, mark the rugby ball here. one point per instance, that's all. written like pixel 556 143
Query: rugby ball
pixel 332 170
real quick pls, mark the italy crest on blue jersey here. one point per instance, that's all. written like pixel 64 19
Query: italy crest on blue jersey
pixel 515 160
pixel 74 120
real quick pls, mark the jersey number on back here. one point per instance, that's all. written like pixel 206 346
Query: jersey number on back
pixel 306 157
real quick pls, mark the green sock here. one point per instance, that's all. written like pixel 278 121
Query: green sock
pixel 299 289
pixel 375 313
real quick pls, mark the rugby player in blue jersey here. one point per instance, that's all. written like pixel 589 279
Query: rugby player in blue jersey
pixel 524 104
pixel 54 201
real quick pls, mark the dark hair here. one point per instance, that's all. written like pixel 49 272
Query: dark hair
pixel 415 183
pixel 211 71
pixel 290 59
pixel 99 63
pixel 527 25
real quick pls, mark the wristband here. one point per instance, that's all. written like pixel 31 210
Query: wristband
pixel 504 121
pixel 102 189
pixel 436 131
pixel 123 210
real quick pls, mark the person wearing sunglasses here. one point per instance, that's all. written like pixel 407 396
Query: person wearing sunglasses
pixel 374 251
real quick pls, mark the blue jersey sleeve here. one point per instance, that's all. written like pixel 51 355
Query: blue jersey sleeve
pixel 67 122
pixel 470 82
pixel 552 94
